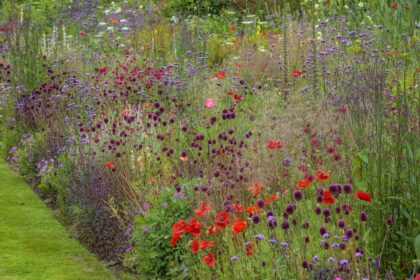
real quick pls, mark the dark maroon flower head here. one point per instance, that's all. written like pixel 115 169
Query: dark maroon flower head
pixel 285 225
pixel 322 230
pixel 389 221
pixel 256 219
pixel 260 203
pixel 363 216
pixel 326 212
pixel 333 188
pixel 347 188
pixel 305 265
pixel 290 208
pixel 341 224
pixel 298 195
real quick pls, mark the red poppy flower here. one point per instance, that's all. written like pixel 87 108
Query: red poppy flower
pixel 252 210
pixel 321 175
pixel 274 144
pixel 394 6
pixel 194 228
pixel 327 197
pixel 269 199
pixel 209 259
pixel 109 164
pixel 363 196
pixel 238 65
pixel 177 229
pixel 231 93
pixel 212 229
pixel 220 75
pixel 255 188
pixel 303 183
pixel 82 33
pixel 296 73
pixel 238 97
pixel 238 208
pixel 238 225
pixel 232 27
pixel 174 239
pixel 203 210
pixel 194 246
pixel 206 244
pixel 222 219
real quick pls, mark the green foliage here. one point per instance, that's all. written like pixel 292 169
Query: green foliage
pixel 152 255
pixel 197 7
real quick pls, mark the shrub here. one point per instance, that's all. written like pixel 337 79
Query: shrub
pixel 151 254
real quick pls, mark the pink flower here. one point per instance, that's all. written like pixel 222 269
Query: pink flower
pixel 210 103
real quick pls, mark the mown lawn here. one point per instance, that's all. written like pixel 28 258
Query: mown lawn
pixel 33 245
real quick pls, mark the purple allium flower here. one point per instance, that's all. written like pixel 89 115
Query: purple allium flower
pixel 272 241
pixel 305 264
pixel 146 206
pixel 284 244
pixel 256 219
pixel 290 208
pixel 315 258
pixel 234 258
pixel 335 245
pixel 331 260
pixel 326 235
pixel 322 230
pixel 358 255
pixel 145 229
pixel 318 210
pixel 260 203
pixel 285 225
pixel 298 195
pixel 363 216
pixel 272 222
pixel 270 213
pixel 347 188
pixel 341 224
pixel 326 212
pixel 259 237
pixel 333 188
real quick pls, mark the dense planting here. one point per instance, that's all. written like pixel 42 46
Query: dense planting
pixel 195 140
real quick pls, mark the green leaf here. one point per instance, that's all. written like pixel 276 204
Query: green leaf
pixel 364 156
pixel 417 246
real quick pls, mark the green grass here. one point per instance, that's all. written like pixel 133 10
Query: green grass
pixel 33 245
